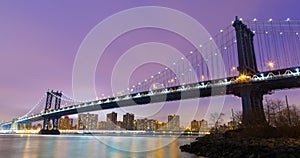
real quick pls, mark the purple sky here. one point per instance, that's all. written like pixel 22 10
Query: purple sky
pixel 39 42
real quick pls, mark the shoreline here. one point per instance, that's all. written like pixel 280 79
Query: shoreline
pixel 221 145
pixel 152 132
pixel 112 133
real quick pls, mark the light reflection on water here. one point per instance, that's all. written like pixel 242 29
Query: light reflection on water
pixel 73 146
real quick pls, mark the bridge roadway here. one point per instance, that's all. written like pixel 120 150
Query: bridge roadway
pixel 266 82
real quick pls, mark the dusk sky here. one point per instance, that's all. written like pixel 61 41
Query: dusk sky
pixel 39 41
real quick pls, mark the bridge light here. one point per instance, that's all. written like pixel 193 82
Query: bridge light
pixel 262 75
pixel 271 64
pixel 270 20
pixel 233 68
pixel 191 52
pixel 288 19
pixel 297 70
pixel 243 77
pixel 254 19
pixel 154 86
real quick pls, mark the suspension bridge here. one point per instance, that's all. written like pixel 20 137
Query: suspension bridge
pixel 248 59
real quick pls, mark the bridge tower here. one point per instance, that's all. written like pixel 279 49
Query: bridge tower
pixel 53 129
pixel 252 96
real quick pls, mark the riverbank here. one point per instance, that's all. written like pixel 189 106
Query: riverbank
pixel 233 145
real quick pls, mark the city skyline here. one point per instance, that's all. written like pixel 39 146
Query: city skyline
pixel 89 121
pixel 44 60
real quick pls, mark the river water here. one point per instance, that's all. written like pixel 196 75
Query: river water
pixel 92 146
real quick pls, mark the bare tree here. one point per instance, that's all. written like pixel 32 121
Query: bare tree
pixel 273 108
pixel 237 118
pixel 279 115
pixel 217 119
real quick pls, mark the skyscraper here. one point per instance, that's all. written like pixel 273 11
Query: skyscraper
pixel 152 124
pixel 65 123
pixel 161 126
pixel 87 121
pixel 101 125
pixel 141 124
pixel 146 124
pixel 128 121
pixel 111 121
pixel 195 125
pixel 25 126
pixel 173 122
pixel 203 125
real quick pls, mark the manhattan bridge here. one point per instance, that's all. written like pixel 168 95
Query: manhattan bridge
pixel 248 59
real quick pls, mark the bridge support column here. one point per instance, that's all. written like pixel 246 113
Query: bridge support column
pixel 252 103
pixel 14 125
pixel 46 124
pixel 252 96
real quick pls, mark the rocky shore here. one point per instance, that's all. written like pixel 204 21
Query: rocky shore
pixel 234 146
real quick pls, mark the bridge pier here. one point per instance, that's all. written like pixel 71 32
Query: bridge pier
pixel 14 125
pixel 49 132
pixel 46 126
pixel 252 97
pixel 252 104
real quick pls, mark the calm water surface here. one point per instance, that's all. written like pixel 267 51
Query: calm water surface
pixel 73 146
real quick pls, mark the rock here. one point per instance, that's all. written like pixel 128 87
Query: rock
pixel 229 146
